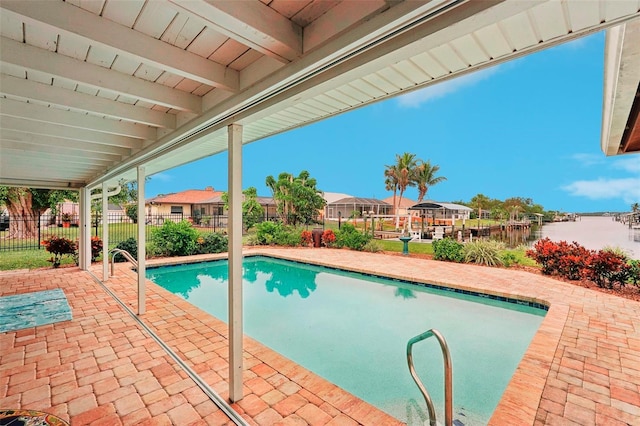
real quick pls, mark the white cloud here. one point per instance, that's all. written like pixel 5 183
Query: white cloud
pixel 439 90
pixel 627 189
pixel 629 164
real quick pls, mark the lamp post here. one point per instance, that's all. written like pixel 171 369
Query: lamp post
pixel 339 219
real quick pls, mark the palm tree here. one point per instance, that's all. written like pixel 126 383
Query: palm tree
pixel 406 165
pixel 425 178
pixel 635 207
pixel 391 183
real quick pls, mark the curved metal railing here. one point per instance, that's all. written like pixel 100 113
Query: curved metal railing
pixel 448 377
pixel 125 254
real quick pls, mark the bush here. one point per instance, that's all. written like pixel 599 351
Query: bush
pixel 175 239
pixel 59 246
pixel 508 258
pixel 483 252
pixel 607 268
pixel 212 243
pixel 348 236
pixel 306 237
pixel 96 248
pixel 564 259
pixel 268 233
pixel 328 237
pixel 372 246
pixel 448 249
pixel 129 245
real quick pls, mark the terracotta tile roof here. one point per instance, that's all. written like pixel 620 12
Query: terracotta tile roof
pixel 406 202
pixel 190 196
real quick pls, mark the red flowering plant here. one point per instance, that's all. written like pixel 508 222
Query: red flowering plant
pixel 328 237
pixel 96 247
pixel 306 237
pixel 607 268
pixel 59 246
pixel 567 260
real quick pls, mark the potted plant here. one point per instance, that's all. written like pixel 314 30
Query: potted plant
pixel 66 220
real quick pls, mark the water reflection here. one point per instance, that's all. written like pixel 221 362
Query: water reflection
pixel 405 293
pixel 286 280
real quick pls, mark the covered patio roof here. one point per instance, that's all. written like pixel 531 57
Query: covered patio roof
pixel 91 89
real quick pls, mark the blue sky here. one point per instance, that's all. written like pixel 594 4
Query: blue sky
pixel 529 128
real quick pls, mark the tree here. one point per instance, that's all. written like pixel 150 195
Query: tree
pixel 480 202
pixel 297 198
pixel 425 177
pixel 252 210
pixel 635 207
pixel 400 176
pixel 25 205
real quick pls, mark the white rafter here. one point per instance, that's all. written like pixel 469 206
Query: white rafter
pixel 26 89
pixel 95 76
pixel 47 114
pixel 42 140
pixel 76 22
pixel 252 23
pixel 55 130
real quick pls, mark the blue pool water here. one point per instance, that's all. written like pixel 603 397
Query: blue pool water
pixel 352 329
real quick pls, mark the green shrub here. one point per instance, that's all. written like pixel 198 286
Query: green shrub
pixel 268 233
pixel 508 258
pixel 348 236
pixel 634 272
pixel 372 246
pixel 448 249
pixel 483 252
pixel 175 239
pixel 214 242
pixel 130 245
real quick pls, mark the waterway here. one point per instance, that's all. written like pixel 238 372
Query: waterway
pixel 592 232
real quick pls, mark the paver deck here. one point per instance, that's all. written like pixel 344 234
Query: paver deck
pixel 581 368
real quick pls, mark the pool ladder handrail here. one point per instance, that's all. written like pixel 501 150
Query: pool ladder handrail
pixel 125 254
pixel 448 376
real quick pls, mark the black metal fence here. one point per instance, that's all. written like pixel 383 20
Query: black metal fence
pixel 19 233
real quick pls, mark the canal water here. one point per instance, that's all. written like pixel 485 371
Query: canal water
pixel 592 232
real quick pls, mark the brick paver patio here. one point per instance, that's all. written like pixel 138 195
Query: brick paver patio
pixel 582 367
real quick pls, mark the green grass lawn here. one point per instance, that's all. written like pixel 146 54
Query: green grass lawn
pixel 28 259
pixel 392 245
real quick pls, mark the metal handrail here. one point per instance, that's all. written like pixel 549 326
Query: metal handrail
pixel 125 254
pixel 448 377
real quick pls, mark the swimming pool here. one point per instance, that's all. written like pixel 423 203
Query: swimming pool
pixel 352 329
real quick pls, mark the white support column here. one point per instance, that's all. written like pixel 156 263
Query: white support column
pixel 84 240
pixel 235 262
pixel 105 232
pixel 142 239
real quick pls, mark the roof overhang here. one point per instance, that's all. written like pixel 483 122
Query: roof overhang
pixel 621 103
pixel 91 90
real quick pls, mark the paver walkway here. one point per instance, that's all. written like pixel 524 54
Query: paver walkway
pixel 582 367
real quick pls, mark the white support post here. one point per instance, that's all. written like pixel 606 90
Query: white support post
pixel 235 262
pixel 105 232
pixel 84 243
pixel 142 239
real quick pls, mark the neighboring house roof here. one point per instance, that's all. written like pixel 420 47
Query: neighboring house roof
pixel 404 203
pixel 439 205
pixel 114 207
pixel 360 201
pixel 331 197
pixel 218 200
pixel 190 196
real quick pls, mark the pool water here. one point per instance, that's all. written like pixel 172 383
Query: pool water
pixel 352 329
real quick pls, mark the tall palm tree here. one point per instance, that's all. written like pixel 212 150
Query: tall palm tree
pixel 426 177
pixel 406 171
pixel 391 183
pixel 635 207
